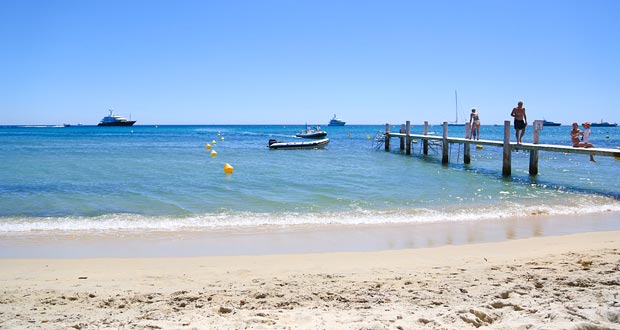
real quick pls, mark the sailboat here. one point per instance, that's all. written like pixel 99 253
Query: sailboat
pixel 456 109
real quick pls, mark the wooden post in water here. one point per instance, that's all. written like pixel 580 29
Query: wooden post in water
pixel 425 142
pixel 506 168
pixel 387 137
pixel 538 126
pixel 466 147
pixel 444 147
pixel 408 133
pixel 402 139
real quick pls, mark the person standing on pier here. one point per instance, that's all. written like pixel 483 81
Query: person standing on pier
pixel 474 121
pixel 520 121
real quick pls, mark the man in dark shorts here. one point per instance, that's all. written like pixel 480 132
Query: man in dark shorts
pixel 520 121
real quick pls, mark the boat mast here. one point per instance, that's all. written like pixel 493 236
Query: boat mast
pixel 456 107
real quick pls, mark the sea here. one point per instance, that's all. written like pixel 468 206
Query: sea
pixel 57 180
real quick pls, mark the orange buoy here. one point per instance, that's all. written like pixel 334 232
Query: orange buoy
pixel 228 169
pixel 213 153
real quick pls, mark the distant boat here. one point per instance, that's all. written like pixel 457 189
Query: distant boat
pixel 114 120
pixel 336 122
pixel 314 144
pixel 603 124
pixel 550 123
pixel 309 133
pixel 456 109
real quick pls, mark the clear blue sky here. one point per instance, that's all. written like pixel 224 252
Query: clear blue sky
pixel 293 61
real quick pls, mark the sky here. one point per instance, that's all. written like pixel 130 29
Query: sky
pixel 293 61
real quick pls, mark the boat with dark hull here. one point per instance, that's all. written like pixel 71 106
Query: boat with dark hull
pixel 551 123
pixel 314 144
pixel 603 124
pixel 115 120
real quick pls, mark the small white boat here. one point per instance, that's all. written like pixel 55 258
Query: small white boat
pixel 314 144
pixel 336 122
pixel 309 133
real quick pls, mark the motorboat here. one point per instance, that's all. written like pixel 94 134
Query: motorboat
pixel 603 124
pixel 314 144
pixel 309 133
pixel 335 121
pixel 115 120
pixel 551 123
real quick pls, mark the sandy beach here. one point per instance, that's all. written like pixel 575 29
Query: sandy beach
pixel 559 282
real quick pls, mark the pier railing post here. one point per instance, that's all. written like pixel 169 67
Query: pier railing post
pixel 425 142
pixel 402 138
pixel 444 147
pixel 387 137
pixel 466 147
pixel 506 168
pixel 408 133
pixel 538 126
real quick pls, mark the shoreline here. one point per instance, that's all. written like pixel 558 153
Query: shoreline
pixel 551 282
pixel 273 239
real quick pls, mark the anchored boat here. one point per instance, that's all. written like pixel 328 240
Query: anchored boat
pixel 336 122
pixel 315 144
pixel 550 123
pixel 310 133
pixel 114 120
pixel 603 124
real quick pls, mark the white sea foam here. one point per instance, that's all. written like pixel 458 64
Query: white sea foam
pixel 140 223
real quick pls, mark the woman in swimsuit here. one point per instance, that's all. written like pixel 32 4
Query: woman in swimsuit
pixel 575 137
pixel 474 121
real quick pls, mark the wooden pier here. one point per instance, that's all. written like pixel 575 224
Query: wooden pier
pixel 406 139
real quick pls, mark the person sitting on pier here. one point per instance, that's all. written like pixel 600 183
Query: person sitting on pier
pixel 575 137
pixel 520 121
pixel 474 121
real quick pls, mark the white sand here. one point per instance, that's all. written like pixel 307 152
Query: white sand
pixel 562 282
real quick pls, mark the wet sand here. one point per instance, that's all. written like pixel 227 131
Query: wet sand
pixel 552 282
pixel 297 239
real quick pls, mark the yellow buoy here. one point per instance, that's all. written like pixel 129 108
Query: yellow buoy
pixel 208 146
pixel 214 142
pixel 222 138
pixel 228 169
pixel 367 137
pixel 213 153
pixel 479 147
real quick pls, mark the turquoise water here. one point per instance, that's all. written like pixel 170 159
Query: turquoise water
pixel 100 179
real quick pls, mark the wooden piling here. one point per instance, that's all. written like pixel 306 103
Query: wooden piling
pixel 408 137
pixel 466 145
pixel 425 142
pixel 402 138
pixel 506 167
pixel 387 137
pixel 538 126
pixel 444 147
